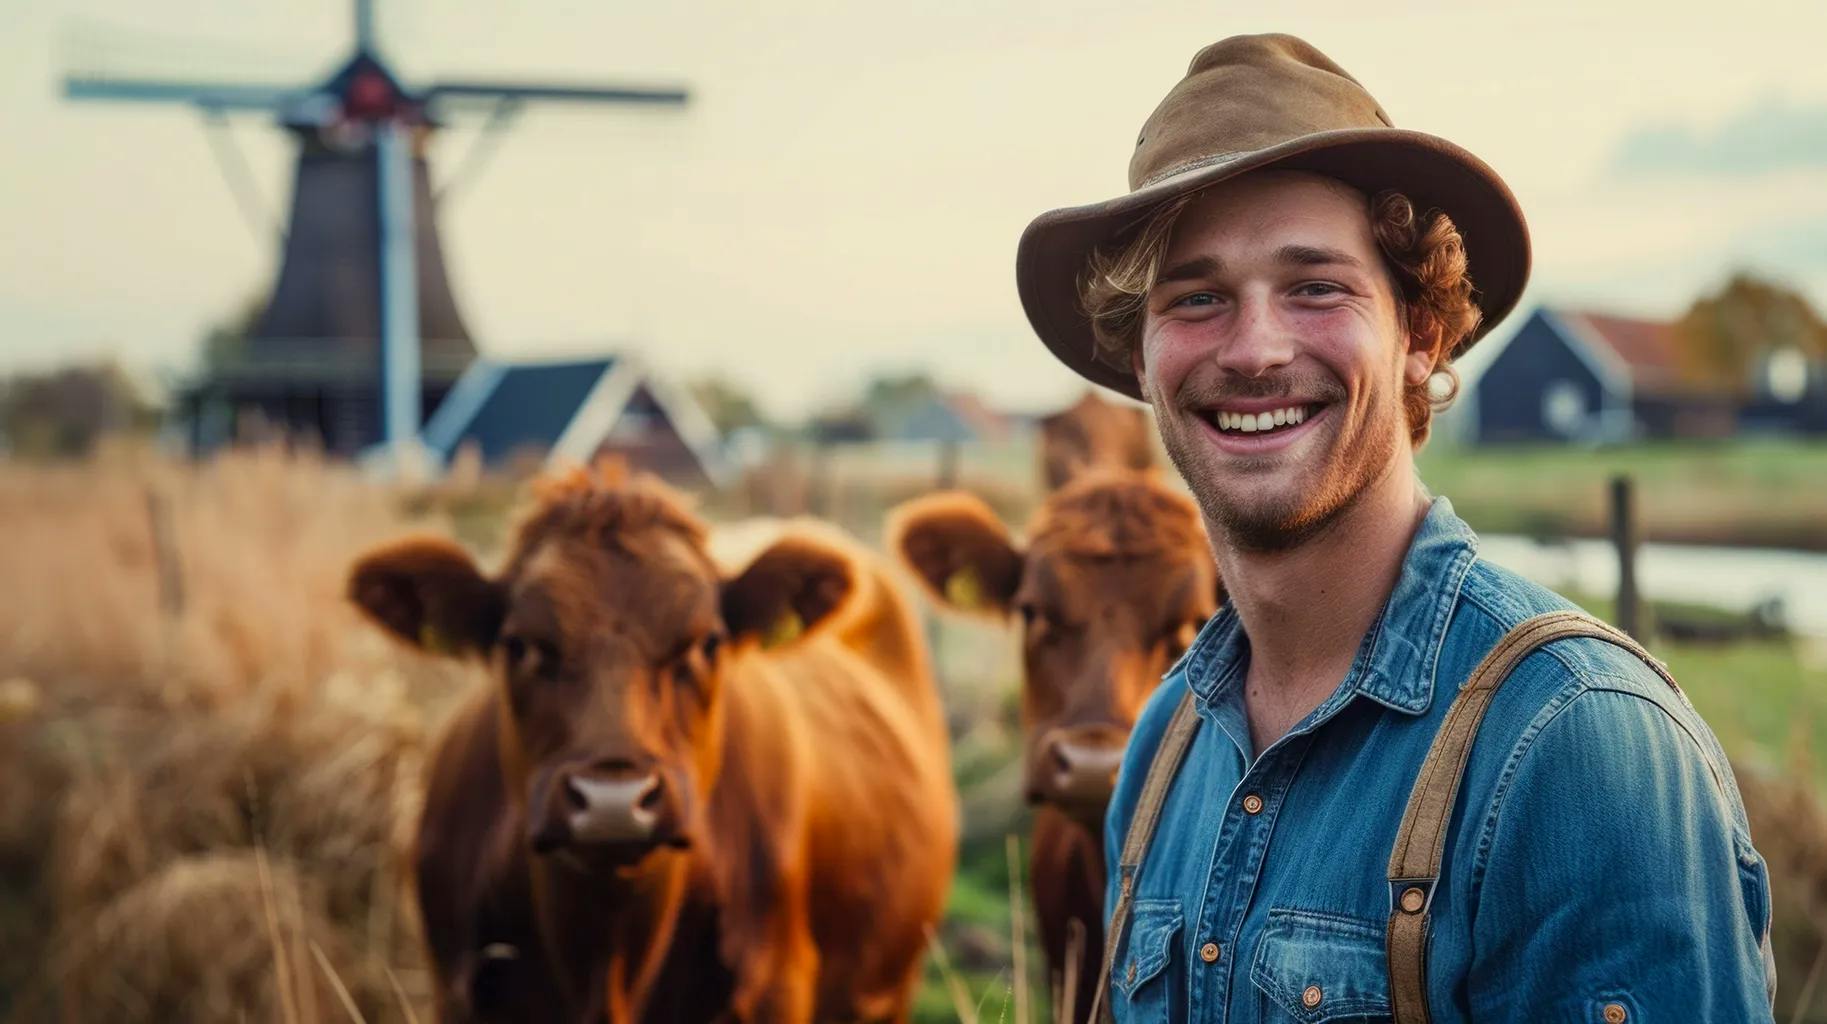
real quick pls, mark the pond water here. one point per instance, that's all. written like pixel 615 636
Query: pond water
pixel 1730 578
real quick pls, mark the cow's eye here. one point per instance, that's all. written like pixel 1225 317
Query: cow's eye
pixel 525 657
pixel 1029 614
pixel 1035 622
pixel 709 647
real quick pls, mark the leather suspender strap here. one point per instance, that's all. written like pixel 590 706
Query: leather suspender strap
pixel 1161 772
pixel 1414 862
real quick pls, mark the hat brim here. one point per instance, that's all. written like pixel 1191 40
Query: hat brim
pixel 1432 172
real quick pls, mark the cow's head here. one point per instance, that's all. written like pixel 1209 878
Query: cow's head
pixel 1114 581
pixel 608 633
pixel 1091 434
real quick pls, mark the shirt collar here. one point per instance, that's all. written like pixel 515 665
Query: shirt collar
pixel 1397 660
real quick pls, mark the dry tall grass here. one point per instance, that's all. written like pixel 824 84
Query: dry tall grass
pixel 209 771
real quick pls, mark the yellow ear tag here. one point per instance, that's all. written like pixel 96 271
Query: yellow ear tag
pixel 433 640
pixel 964 590
pixel 786 629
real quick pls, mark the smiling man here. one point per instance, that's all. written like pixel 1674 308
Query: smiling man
pixel 1389 780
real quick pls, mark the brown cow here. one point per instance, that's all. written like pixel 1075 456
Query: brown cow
pixel 688 795
pixel 1093 433
pixel 1114 580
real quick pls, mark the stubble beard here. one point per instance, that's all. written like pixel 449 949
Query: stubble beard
pixel 1344 470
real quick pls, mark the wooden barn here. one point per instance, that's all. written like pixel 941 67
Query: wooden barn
pixel 529 414
pixel 1585 377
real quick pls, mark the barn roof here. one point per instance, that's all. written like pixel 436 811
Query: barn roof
pixel 1647 351
pixel 562 407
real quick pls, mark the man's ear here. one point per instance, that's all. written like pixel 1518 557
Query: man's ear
pixel 1136 365
pixel 958 548
pixel 428 592
pixel 788 590
pixel 1417 366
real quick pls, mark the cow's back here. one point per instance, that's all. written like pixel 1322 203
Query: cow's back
pixel 840 746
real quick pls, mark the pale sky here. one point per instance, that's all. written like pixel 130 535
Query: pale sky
pixel 844 193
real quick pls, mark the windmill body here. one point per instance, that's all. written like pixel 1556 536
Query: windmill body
pixel 361 335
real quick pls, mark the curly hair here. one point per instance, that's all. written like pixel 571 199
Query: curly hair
pixel 1422 252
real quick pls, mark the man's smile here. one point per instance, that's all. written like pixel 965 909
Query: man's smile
pixel 1259 426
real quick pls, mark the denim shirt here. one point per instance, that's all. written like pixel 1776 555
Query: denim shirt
pixel 1598 861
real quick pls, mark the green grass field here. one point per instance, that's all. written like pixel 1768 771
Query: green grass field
pixel 1764 493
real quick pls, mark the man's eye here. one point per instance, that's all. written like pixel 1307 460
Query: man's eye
pixel 1197 299
pixel 1316 289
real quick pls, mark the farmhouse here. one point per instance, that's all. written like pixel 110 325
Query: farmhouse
pixel 571 411
pixel 1568 375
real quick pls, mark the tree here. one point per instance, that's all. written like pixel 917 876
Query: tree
pixel 1723 336
pixel 727 405
pixel 226 342
pixel 898 391
pixel 64 412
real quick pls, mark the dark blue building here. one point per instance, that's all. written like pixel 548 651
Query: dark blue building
pixel 572 411
pixel 1591 378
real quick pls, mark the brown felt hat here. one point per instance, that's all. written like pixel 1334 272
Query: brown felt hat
pixel 1254 102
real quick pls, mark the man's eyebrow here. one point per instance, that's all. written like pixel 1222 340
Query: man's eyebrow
pixel 1316 256
pixel 1188 270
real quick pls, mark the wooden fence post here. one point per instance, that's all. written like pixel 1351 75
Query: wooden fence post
pixel 948 464
pixel 1624 537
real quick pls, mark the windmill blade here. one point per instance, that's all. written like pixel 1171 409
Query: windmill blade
pixel 209 95
pixel 465 93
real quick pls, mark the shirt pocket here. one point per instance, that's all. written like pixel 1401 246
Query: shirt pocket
pixel 1314 967
pixel 1140 979
pixel 1754 888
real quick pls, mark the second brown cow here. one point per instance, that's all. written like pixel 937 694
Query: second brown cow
pixel 1113 581
pixel 687 794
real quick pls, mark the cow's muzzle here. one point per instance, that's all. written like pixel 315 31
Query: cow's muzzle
pixel 1075 769
pixel 618 813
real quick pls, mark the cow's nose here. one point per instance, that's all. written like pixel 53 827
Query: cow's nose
pixel 613 810
pixel 1077 772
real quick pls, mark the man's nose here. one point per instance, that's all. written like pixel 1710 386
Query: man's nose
pixel 1260 339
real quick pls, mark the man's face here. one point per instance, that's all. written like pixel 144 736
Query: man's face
pixel 1273 355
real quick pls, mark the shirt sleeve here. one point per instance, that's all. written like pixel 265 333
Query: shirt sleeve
pixel 1618 885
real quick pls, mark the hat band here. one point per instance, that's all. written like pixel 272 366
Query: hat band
pixel 1193 165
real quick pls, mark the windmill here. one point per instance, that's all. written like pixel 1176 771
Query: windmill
pixel 361 331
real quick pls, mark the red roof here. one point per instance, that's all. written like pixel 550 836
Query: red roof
pixel 989 424
pixel 1645 349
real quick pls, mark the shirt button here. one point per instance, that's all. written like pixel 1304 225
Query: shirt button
pixel 1311 997
pixel 1614 1014
pixel 1252 804
pixel 1129 976
pixel 1209 952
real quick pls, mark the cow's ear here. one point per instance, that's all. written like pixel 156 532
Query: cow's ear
pixel 959 549
pixel 786 591
pixel 428 592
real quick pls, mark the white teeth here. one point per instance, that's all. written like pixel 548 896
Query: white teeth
pixel 1257 422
